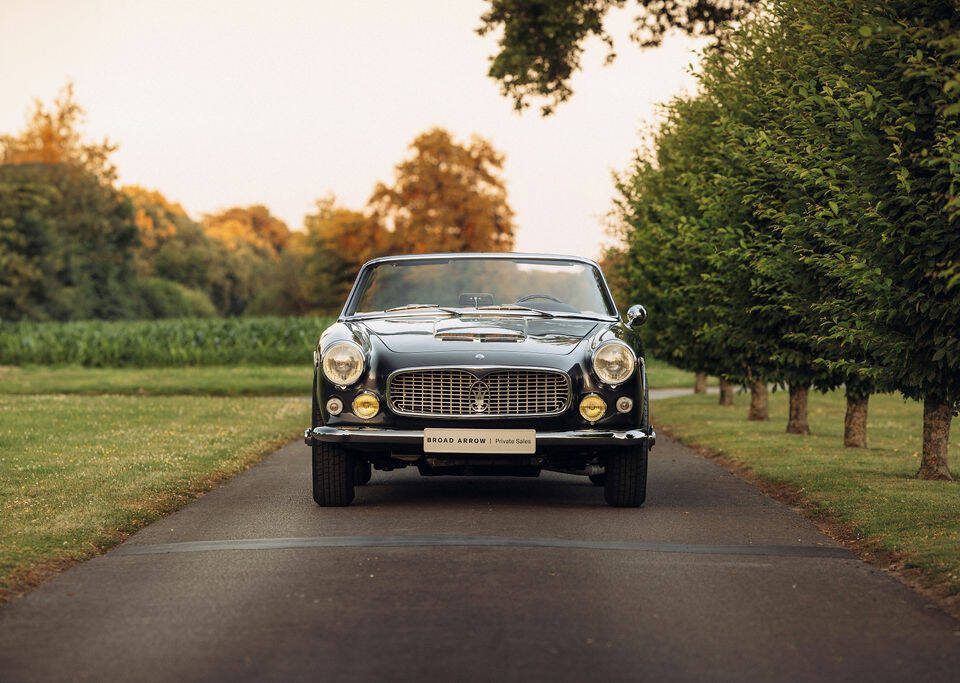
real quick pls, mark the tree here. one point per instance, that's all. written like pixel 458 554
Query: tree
pixel 28 276
pixel 446 197
pixel 337 241
pixel 66 220
pixel 826 193
pixel 54 136
pixel 155 215
pixel 89 240
pixel 253 225
pixel 893 97
pixel 665 254
pixel 864 126
pixel 542 40
pixel 175 258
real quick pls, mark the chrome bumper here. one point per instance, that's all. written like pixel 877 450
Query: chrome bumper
pixel 414 437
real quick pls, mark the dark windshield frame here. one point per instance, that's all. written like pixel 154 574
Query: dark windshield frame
pixel 349 307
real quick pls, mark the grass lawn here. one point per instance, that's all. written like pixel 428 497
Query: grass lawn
pixel 237 380
pixel 661 375
pixel 78 473
pixel 872 490
pixel 234 380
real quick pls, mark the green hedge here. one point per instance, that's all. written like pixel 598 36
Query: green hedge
pixel 161 343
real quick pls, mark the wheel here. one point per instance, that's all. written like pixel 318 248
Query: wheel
pixel 362 472
pixel 626 472
pixel 334 469
pixel 598 479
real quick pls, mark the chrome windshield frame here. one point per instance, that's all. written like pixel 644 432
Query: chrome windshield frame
pixel 347 313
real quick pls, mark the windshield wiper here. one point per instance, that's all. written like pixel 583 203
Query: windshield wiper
pixel 413 307
pixel 516 307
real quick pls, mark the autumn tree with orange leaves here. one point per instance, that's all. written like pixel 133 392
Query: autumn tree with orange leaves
pixel 53 136
pixel 337 241
pixel 446 197
pixel 254 225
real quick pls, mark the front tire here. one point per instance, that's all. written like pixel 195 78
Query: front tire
pixel 626 472
pixel 334 469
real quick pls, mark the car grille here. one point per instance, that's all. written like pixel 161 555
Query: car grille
pixel 460 393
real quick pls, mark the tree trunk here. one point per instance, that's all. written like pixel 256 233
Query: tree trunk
pixel 936 436
pixel 700 383
pixel 855 421
pixel 797 422
pixel 759 405
pixel 726 393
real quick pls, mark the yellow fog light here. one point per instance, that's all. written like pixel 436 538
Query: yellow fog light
pixel 366 405
pixel 592 408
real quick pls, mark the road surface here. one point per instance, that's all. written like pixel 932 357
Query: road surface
pixel 478 579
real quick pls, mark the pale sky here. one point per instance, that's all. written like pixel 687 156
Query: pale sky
pixel 220 104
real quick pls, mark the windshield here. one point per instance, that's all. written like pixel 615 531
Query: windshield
pixel 551 286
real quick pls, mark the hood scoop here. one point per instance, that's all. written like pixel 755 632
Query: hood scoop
pixel 479 331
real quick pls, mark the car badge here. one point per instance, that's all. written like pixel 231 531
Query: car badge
pixel 479 356
pixel 479 394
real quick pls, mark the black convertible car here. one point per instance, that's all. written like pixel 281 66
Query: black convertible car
pixel 501 364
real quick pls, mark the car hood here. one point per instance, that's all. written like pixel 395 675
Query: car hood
pixel 555 336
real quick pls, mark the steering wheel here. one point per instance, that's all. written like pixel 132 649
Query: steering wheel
pixel 528 297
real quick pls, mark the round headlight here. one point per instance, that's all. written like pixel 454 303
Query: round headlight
pixel 614 362
pixel 343 363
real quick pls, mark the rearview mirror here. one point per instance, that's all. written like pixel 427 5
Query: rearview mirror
pixel 636 315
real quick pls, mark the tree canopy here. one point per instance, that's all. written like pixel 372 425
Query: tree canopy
pixel 542 40
pixel 800 210
pixel 446 197
pixel 53 135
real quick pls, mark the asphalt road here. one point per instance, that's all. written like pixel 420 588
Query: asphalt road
pixel 478 579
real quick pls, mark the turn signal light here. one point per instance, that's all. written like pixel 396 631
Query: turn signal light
pixel 592 408
pixel 366 405
pixel 334 406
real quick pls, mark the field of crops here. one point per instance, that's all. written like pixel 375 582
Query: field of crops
pixel 162 343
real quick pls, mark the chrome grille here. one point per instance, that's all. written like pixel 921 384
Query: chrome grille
pixel 450 392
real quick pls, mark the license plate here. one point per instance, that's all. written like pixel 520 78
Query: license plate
pixel 480 441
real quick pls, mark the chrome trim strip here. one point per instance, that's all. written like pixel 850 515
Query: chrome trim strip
pixel 365 268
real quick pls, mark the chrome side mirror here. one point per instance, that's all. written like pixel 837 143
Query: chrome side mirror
pixel 636 315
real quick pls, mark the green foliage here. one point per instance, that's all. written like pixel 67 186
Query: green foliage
pixel 83 246
pixel 162 343
pixel 74 247
pixel 802 206
pixel 168 299
pixel 28 277
pixel 542 40
pixel 669 246
pixel 236 264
